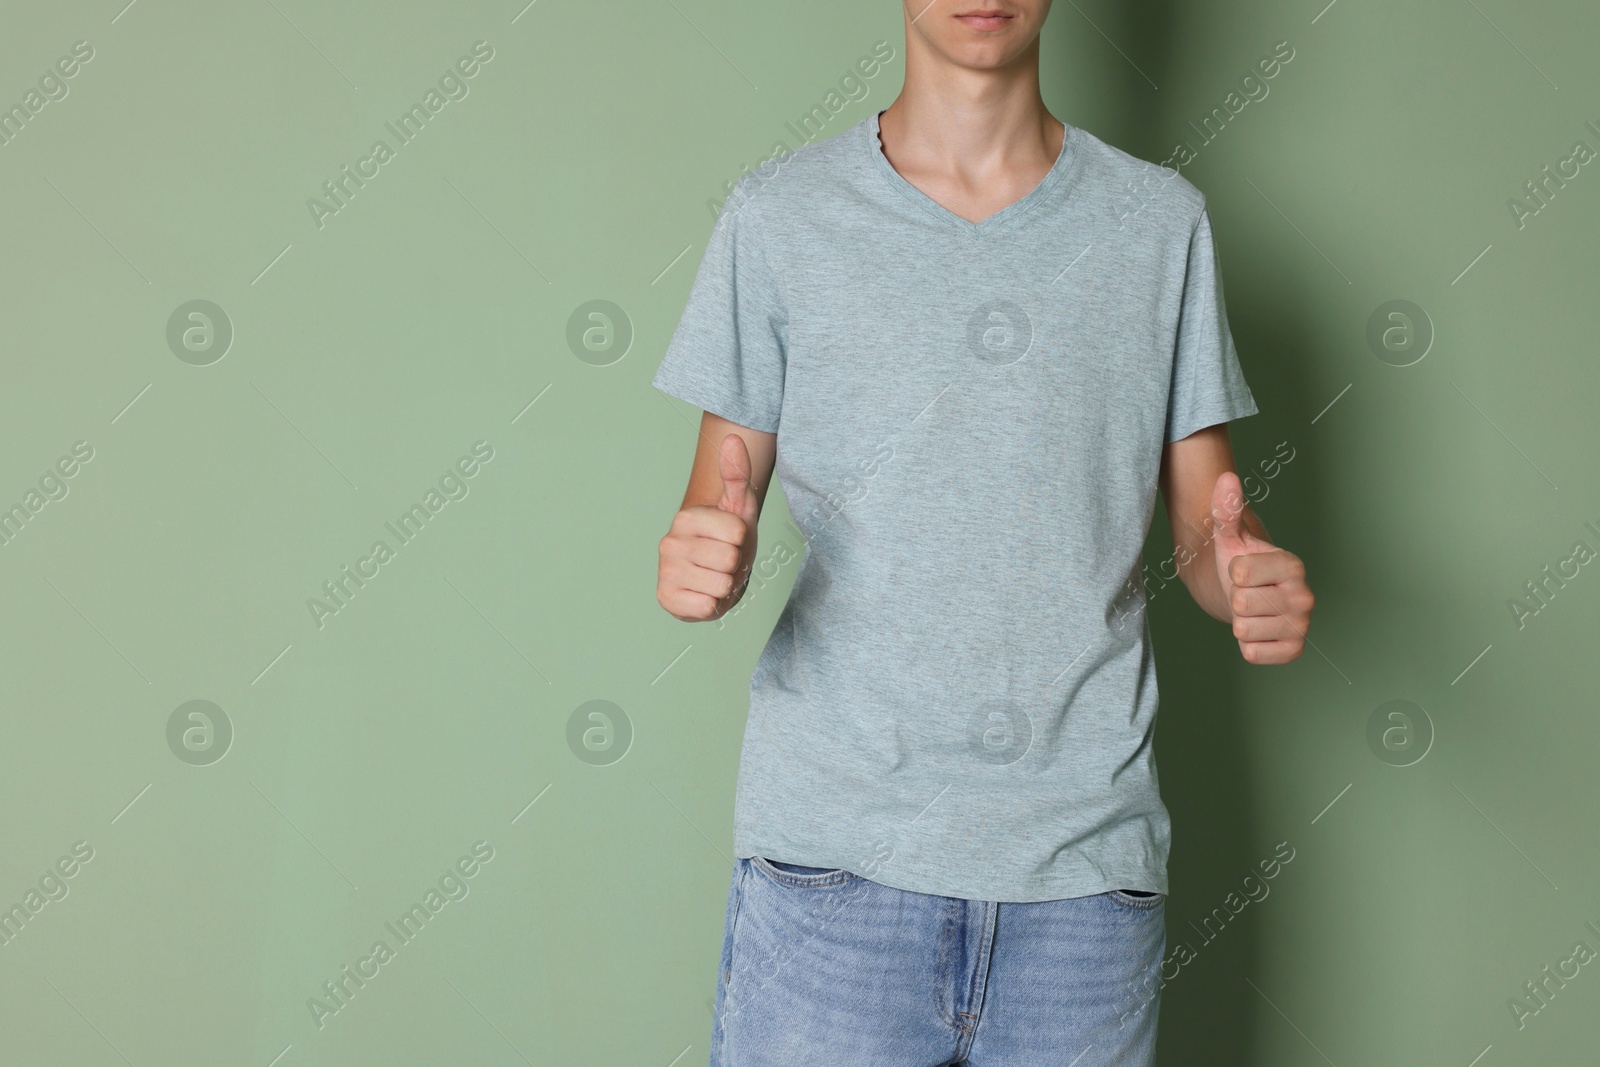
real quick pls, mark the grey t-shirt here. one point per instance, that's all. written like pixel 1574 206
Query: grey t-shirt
pixel 959 696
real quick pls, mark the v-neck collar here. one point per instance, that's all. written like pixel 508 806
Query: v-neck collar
pixel 1062 170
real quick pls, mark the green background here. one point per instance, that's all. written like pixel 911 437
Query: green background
pixel 370 753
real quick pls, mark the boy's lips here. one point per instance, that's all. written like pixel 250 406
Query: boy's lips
pixel 985 19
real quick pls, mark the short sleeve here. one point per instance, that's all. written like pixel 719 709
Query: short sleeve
pixel 1208 386
pixel 727 355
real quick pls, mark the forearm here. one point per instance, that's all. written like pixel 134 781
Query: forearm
pixel 705 477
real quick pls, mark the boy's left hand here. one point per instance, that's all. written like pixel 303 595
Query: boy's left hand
pixel 1265 586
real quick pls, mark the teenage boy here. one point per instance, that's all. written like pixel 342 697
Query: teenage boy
pixel 983 340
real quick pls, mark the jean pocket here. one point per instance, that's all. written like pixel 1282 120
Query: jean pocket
pixel 1137 899
pixel 792 874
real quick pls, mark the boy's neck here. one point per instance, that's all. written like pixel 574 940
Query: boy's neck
pixel 962 121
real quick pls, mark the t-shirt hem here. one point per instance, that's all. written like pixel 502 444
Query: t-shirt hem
pixel 720 406
pixel 914 878
pixel 1212 417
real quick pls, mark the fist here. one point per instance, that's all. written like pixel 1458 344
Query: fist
pixel 1265 586
pixel 707 554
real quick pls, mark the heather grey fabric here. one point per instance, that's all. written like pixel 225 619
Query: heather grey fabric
pixel 960 694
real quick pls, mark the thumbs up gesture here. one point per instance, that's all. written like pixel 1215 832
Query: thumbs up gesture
pixel 707 554
pixel 1264 586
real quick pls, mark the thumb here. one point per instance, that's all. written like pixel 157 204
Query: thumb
pixel 737 495
pixel 1227 507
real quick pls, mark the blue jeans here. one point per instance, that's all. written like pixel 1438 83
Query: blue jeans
pixel 829 968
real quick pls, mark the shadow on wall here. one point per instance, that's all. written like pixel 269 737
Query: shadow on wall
pixel 1209 1014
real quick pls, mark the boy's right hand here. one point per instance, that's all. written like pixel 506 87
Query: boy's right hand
pixel 707 554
